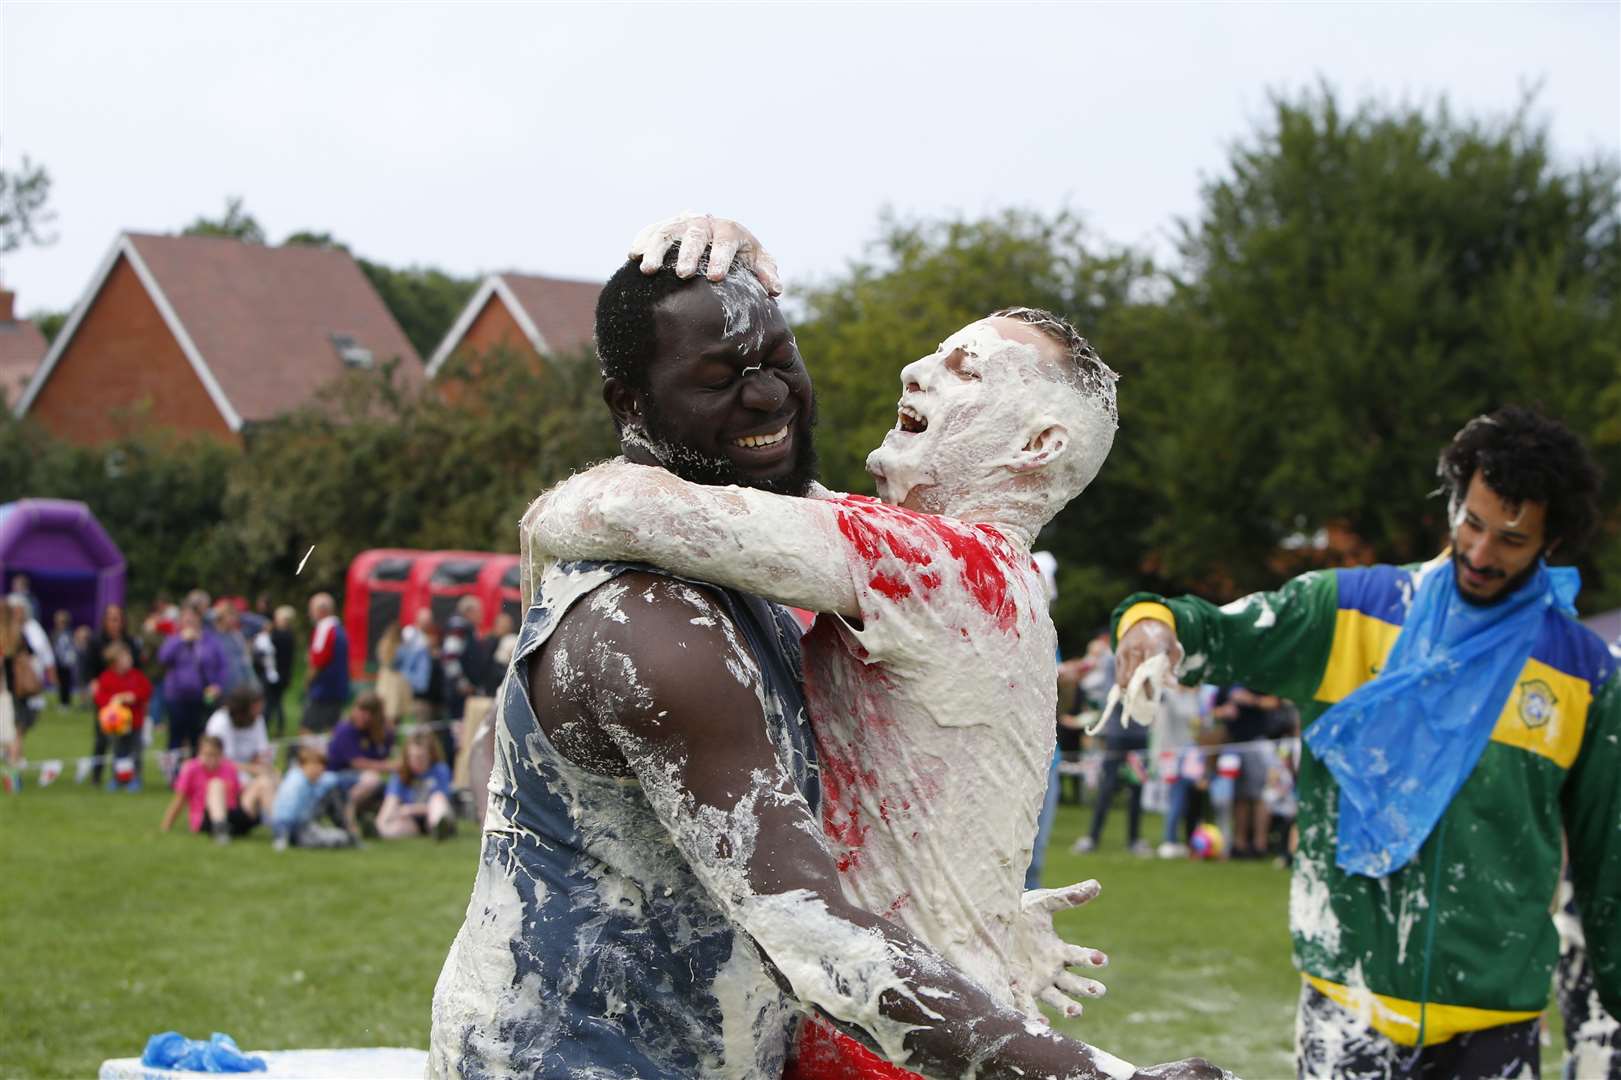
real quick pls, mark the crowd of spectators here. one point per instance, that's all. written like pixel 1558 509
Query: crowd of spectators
pixel 1218 762
pixel 199 690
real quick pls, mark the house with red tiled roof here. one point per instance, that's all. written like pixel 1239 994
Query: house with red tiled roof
pixel 532 315
pixel 203 334
pixel 22 347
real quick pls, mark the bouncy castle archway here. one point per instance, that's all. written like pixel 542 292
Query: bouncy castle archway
pixel 70 560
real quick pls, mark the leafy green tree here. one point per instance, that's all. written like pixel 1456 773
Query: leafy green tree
pixel 424 301
pixel 158 496
pixel 373 466
pixel 24 195
pixel 1357 285
pixel 50 323
pixel 236 224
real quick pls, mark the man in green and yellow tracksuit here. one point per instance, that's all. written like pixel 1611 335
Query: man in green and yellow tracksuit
pixel 1461 729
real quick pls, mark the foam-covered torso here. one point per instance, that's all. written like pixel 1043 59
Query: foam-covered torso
pixel 934 725
pixel 590 948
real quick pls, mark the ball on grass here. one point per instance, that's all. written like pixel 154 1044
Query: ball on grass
pixel 1207 843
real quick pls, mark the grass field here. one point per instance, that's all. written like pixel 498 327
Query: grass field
pixel 111 931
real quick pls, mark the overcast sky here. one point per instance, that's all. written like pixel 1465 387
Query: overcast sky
pixel 540 138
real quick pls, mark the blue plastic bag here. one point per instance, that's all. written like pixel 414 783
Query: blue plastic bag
pixel 172 1050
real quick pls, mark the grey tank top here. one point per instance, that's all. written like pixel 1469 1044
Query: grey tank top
pixel 589 949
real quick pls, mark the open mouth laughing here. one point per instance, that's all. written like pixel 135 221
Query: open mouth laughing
pixel 909 420
pixel 755 442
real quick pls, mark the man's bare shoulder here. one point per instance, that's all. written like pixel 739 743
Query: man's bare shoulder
pixel 644 628
pixel 641 651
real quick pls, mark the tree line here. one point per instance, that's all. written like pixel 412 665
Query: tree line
pixel 1356 284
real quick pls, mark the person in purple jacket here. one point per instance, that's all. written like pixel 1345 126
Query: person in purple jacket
pixel 193 671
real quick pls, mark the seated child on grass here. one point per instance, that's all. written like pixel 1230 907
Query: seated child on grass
pixel 359 753
pixel 308 793
pixel 240 727
pixel 417 801
pixel 211 789
pixel 122 694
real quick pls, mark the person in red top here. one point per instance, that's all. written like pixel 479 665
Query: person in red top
pixel 328 689
pixel 122 694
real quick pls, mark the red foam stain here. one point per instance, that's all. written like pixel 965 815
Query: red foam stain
pixel 826 1054
pixel 891 586
pixel 899 902
pixel 841 806
pixel 880 534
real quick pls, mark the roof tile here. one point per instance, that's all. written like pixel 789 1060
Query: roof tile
pixel 263 317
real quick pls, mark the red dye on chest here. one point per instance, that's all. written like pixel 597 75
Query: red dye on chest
pixel 882 535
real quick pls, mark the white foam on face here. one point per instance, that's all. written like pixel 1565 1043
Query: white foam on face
pixel 746 307
pixel 934 719
pixel 980 418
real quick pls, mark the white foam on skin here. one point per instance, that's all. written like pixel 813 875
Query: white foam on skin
pixel 984 398
pixel 745 305
pixel 921 742
pixel 1311 915
pixel 1139 701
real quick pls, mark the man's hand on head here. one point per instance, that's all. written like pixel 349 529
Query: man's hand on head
pixel 726 240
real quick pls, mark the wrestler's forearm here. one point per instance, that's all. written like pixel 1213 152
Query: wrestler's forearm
pixel 776 546
pixel 904 1000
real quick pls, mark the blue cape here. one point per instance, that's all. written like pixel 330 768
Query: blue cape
pixel 1402 744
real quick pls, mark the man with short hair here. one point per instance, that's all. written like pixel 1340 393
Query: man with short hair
pixel 328 689
pixel 655 896
pixel 1459 725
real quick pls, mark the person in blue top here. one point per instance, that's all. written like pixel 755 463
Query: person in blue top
pixel 307 794
pixel 417 800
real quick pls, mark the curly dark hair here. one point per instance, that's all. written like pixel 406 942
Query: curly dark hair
pixel 625 336
pixel 1527 457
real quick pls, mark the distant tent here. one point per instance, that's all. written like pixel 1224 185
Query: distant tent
pixel 70 560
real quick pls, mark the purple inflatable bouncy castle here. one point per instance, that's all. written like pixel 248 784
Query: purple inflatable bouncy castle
pixel 70 560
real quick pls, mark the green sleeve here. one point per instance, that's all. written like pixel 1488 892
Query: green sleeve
pixel 1271 642
pixel 1592 805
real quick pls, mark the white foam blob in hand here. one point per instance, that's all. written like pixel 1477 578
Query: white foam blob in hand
pixel 1140 700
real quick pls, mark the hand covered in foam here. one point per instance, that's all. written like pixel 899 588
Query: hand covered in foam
pixel 1139 700
pixel 726 239
pixel 1146 639
pixel 1041 960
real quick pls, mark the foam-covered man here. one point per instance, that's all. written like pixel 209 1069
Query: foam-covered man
pixel 1458 722
pixel 656 896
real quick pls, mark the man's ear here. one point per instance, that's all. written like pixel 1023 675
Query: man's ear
pixel 1040 451
pixel 623 402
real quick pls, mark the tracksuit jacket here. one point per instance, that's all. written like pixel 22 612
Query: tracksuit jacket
pixel 1461 938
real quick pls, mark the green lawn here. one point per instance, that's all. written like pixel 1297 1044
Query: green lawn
pixel 111 931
